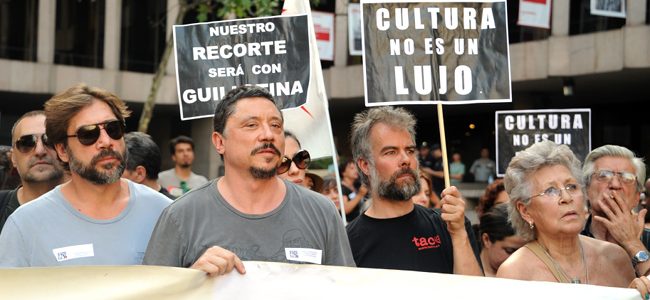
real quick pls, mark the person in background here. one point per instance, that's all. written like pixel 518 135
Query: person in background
pixel 313 182
pixel 483 168
pixel 143 161
pixel 331 190
pixel 10 177
pixel 180 179
pixel 424 155
pixel 498 239
pixel 495 193
pixel 436 171
pixel 295 160
pixel 352 197
pixel 456 169
pixel 35 160
pixel 426 197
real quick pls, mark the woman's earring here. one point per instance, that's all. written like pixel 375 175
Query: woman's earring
pixel 532 226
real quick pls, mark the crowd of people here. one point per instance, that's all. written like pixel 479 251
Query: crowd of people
pixel 551 218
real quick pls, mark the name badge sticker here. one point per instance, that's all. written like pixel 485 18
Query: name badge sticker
pixel 72 252
pixel 314 256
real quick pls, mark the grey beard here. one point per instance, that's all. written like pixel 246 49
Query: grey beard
pixel 391 190
pixel 259 173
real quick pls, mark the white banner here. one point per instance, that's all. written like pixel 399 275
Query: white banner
pixel 265 280
pixel 535 13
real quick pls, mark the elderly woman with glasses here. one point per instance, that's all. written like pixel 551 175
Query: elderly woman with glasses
pixel 295 161
pixel 548 209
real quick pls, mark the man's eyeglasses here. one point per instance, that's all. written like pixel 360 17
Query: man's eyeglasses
pixel 607 176
pixel 89 134
pixel 27 143
pixel 555 193
pixel 301 159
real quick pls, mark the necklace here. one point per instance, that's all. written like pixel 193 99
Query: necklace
pixel 575 280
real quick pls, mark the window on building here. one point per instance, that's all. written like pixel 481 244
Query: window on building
pixel 79 37
pixel 143 37
pixel 519 34
pixel 582 21
pixel 18 27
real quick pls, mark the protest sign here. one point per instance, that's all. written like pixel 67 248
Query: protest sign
pixel 213 58
pixel 324 30
pixel 517 130
pixel 453 52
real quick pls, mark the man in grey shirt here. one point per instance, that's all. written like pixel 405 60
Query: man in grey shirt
pixel 96 218
pixel 249 213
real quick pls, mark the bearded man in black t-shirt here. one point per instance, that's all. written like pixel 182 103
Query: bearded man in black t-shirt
pixel 394 233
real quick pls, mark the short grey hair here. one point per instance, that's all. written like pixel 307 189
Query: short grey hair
pixel 523 166
pixel 363 123
pixel 614 151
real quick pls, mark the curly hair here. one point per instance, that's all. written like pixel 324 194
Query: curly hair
pixel 520 170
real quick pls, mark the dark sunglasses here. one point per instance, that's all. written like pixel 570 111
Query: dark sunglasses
pixel 27 143
pixel 301 159
pixel 88 135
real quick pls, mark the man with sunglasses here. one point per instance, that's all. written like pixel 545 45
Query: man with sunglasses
pixel 614 179
pixel 394 233
pixel 96 218
pixel 249 213
pixel 35 161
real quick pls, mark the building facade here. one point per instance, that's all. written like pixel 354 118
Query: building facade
pixel 603 63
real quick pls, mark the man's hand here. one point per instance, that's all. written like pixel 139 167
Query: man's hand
pixel 622 224
pixel 453 211
pixel 218 261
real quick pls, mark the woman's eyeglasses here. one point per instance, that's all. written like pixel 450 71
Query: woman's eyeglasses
pixel 301 159
pixel 89 134
pixel 555 193
pixel 27 143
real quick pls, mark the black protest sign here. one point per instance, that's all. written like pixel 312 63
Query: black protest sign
pixel 516 130
pixel 214 58
pixel 435 52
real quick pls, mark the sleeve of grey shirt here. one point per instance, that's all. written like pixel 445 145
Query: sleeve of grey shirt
pixel 165 246
pixel 338 244
pixel 12 246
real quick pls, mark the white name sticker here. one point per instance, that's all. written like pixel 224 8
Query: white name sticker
pixel 72 252
pixel 314 256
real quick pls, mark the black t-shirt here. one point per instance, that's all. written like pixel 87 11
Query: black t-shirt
pixel 351 194
pixel 8 203
pixel 417 241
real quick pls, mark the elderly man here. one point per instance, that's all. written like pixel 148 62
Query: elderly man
pixel 96 218
pixel 394 233
pixel 35 160
pixel 614 179
pixel 249 213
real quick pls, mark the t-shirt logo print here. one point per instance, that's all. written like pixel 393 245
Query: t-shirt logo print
pixel 423 243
